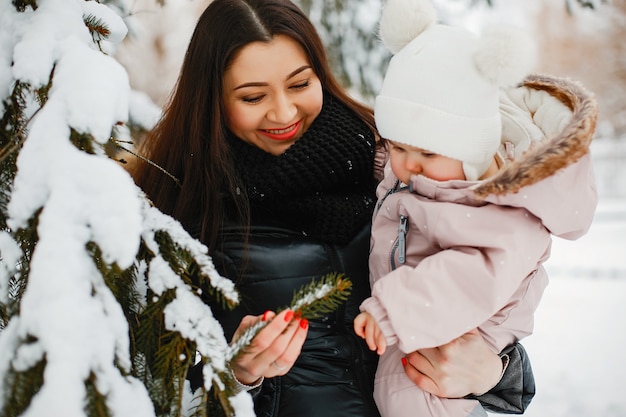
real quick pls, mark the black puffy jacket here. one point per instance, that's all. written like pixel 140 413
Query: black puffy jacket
pixel 334 374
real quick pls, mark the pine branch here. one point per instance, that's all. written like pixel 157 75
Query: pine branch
pixel 22 5
pixel 310 301
pixel 95 402
pixel 122 283
pixel 161 357
pixel 83 141
pixel 26 238
pixel 16 287
pixel 189 268
pixel 200 404
pixel 220 406
pixel 12 126
pixel 178 267
pixel 320 297
pixel 22 387
pixel 591 4
pixel 172 360
pixel 98 29
pixel 118 145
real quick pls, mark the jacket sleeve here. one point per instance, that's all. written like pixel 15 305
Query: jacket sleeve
pixel 516 389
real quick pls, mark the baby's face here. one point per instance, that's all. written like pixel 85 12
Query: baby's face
pixel 408 160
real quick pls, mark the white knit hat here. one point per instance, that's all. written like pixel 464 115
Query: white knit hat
pixel 441 90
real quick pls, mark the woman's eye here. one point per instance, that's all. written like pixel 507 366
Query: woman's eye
pixel 300 86
pixel 252 100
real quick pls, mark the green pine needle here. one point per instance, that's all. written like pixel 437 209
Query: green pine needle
pixel 311 301
pixel 321 297
pixel 98 29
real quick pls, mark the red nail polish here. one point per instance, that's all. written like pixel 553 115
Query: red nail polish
pixel 297 315
pixel 288 316
pixel 265 315
pixel 403 361
pixel 304 323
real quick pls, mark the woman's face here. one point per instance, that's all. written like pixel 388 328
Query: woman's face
pixel 271 94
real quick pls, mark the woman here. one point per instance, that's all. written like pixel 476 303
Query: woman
pixel 276 170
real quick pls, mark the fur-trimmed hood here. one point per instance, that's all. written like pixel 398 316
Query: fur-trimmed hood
pixel 566 138
pixel 551 172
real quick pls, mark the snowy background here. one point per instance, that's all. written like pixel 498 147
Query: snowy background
pixel 576 350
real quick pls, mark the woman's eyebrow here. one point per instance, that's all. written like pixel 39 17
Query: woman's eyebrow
pixel 251 84
pixel 298 71
pixel 264 84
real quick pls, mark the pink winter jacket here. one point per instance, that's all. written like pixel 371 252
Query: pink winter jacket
pixel 473 251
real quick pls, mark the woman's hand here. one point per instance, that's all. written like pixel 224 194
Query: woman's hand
pixel 274 349
pixel 464 366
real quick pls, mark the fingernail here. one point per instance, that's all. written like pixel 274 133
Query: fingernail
pixel 304 323
pixel 288 316
pixel 403 361
pixel 265 315
pixel 297 315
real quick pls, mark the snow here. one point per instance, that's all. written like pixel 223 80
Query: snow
pixel 576 349
pixel 85 198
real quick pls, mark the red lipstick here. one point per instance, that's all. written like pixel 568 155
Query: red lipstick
pixel 286 133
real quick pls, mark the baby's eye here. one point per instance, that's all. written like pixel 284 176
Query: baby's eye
pixel 428 154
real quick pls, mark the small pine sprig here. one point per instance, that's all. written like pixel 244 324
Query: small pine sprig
pixel 311 301
pixel 98 29
pixel 320 297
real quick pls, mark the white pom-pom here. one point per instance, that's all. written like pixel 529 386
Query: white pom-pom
pixel 505 55
pixel 403 20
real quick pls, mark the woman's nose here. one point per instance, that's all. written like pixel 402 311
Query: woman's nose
pixel 283 110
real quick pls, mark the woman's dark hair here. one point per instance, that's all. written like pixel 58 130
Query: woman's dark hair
pixel 189 142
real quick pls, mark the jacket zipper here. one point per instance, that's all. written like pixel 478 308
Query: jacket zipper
pixel 387 194
pixel 400 245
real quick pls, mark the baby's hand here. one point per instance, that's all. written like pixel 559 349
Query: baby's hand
pixel 366 327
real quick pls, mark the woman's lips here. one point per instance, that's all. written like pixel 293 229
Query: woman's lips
pixel 286 133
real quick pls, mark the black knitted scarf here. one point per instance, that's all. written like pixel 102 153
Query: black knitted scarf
pixel 323 186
